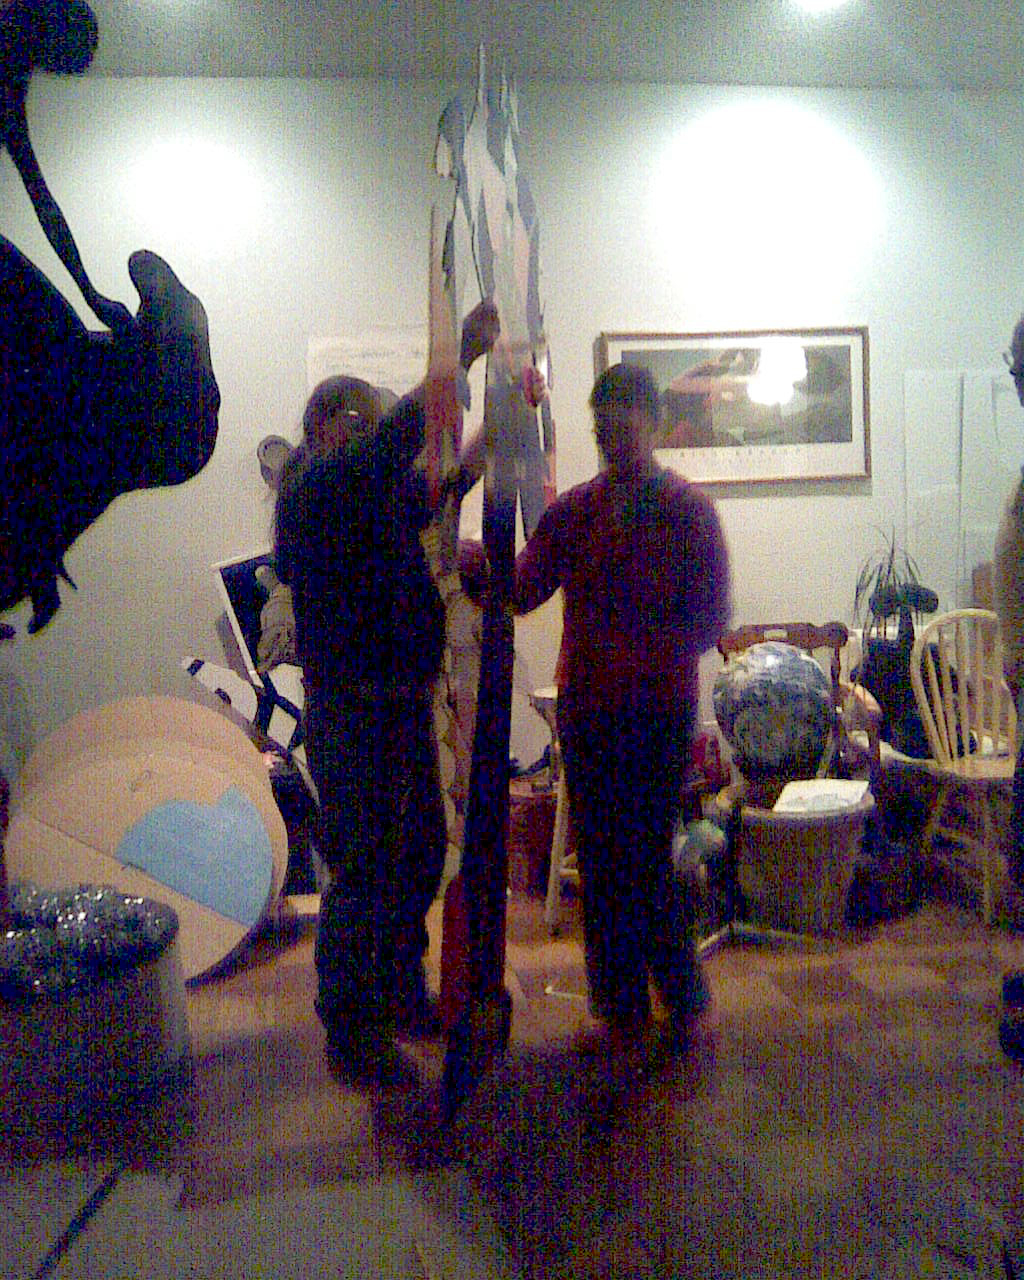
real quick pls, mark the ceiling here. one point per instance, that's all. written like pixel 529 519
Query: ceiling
pixel 960 44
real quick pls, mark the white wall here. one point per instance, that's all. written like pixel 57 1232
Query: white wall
pixel 295 207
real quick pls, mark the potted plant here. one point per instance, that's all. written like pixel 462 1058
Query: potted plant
pixel 889 586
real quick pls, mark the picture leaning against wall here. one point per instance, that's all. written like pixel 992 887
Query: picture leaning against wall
pixel 756 406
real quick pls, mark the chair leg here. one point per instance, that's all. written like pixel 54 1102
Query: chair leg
pixel 936 826
pixel 933 821
pixel 979 816
pixel 988 835
pixel 979 820
pixel 553 902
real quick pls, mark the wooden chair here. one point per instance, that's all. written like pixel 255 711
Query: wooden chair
pixel 832 637
pixel 956 669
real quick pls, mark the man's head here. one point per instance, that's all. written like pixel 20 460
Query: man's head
pixel 339 411
pixel 626 405
pixel 1015 358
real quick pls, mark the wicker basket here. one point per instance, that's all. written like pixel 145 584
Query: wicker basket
pixel 85 1057
pixel 796 869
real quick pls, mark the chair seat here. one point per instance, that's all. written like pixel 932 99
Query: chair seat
pixel 980 766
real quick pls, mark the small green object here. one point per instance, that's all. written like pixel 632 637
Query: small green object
pixel 695 843
pixel 705 835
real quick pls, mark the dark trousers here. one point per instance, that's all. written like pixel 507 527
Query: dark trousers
pixel 624 771
pixel 373 757
pixel 1015 844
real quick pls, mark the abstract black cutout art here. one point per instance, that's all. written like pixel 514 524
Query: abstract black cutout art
pixel 84 416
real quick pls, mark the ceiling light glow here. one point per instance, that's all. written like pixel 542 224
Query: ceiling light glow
pixel 819 6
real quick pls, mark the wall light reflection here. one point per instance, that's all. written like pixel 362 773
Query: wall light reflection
pixel 761 203
pixel 781 366
pixel 203 190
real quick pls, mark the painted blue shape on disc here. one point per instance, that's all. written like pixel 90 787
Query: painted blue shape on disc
pixel 217 855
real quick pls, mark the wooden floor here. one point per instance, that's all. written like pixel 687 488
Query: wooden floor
pixel 854 1117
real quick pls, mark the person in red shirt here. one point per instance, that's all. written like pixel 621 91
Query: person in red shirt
pixel 641 559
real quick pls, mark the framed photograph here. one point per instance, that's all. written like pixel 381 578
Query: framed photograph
pixel 244 595
pixel 756 406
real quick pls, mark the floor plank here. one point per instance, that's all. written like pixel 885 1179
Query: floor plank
pixel 854 1117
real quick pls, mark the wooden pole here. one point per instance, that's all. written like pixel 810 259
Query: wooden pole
pixel 5 906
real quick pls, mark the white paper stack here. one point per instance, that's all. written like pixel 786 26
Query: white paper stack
pixel 821 795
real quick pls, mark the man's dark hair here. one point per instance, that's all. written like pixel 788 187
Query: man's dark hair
pixel 356 399
pixel 625 387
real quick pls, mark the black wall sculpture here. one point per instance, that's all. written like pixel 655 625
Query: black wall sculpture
pixel 84 416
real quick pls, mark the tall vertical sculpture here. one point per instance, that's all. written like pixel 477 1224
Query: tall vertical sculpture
pixel 493 237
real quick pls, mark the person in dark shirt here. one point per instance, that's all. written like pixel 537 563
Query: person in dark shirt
pixel 369 636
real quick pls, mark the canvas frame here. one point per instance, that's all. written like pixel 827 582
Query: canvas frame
pixel 243 600
pixel 713 433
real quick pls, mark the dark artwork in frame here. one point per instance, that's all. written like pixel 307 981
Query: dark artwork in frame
pixel 244 597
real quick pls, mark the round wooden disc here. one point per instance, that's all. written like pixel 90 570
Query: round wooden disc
pixel 163 799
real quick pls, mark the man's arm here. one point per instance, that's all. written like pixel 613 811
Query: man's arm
pixel 1008 587
pixel 706 599
pixel 289 525
pixel 538 572
pixel 472 461
pixel 402 430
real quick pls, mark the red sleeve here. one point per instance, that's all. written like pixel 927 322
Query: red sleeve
pixel 706 601
pixel 540 564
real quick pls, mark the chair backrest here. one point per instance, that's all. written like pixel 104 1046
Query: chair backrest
pixel 803 635
pixel 956 669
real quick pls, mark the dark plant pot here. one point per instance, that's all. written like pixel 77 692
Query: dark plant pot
pixel 885 672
